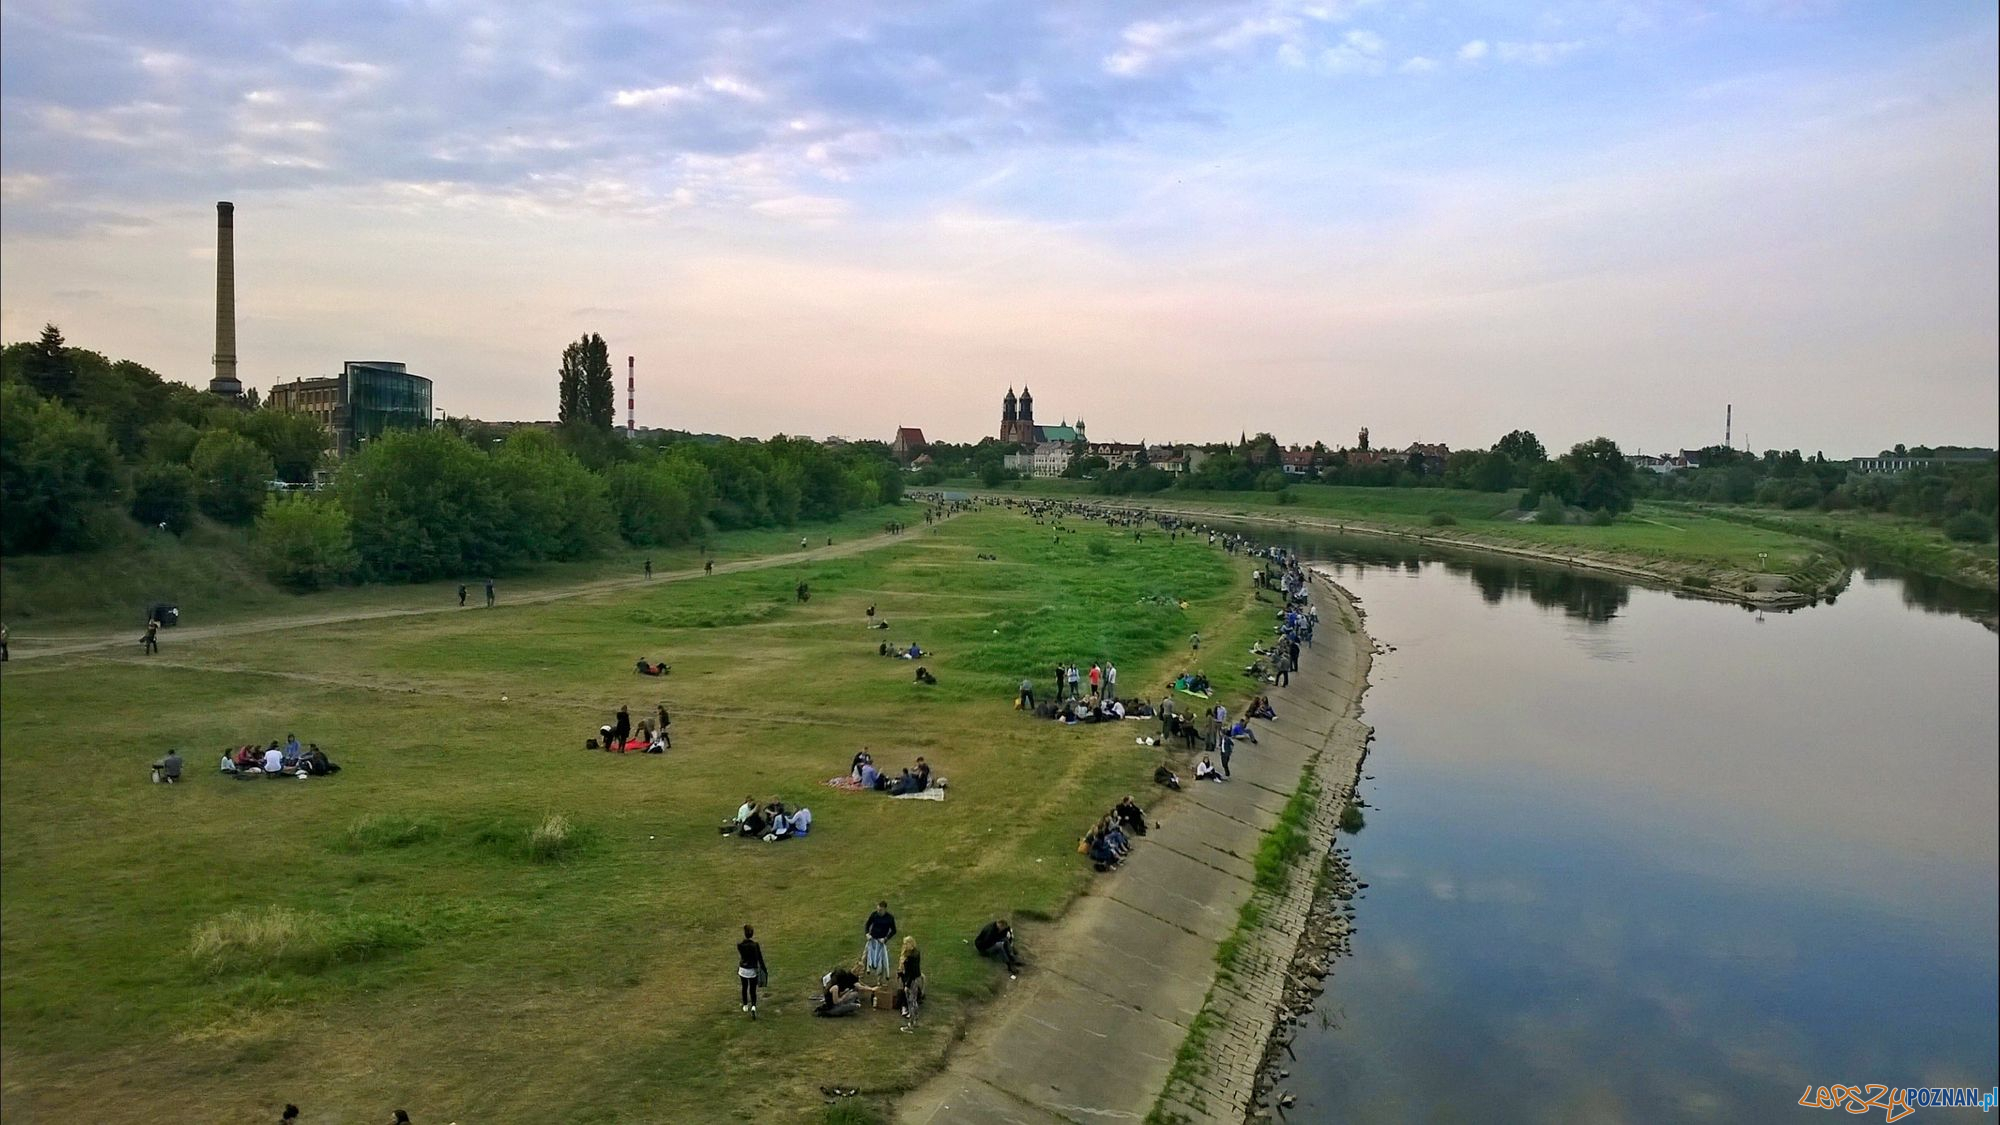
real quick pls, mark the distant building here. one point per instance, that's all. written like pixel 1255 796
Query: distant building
pixel 367 399
pixel 1051 458
pixel 1018 426
pixel 1427 456
pixel 1297 462
pixel 1904 462
pixel 1116 454
pixel 909 441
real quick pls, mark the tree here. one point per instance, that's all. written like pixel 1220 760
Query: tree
pixel 1494 472
pixel 163 496
pixel 1604 476
pixel 58 473
pixel 1522 448
pixel 662 501
pixel 555 508
pixel 424 505
pixel 587 400
pixel 48 368
pixel 232 476
pixel 1550 478
pixel 295 441
pixel 305 542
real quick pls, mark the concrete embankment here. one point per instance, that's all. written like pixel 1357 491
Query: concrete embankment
pixel 1093 1028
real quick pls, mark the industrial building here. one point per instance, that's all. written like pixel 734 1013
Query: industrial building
pixel 368 398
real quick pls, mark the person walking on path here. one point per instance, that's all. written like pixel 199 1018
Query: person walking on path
pixel 649 568
pixel 708 567
pixel 1228 750
pixel 151 641
pixel 1110 681
pixel 3 643
pixel 1284 676
pixel 750 969
pixel 461 595
pixel 880 927
pixel 1194 642
pixel 489 593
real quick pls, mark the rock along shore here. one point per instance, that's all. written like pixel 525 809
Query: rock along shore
pixel 1092 1030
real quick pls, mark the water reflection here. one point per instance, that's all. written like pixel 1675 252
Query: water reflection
pixel 1636 857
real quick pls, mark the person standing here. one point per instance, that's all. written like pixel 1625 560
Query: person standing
pixel 666 721
pixel 151 641
pixel 3 643
pixel 1027 700
pixel 750 969
pixel 1165 713
pixel 1075 679
pixel 1228 750
pixel 880 927
pixel 621 728
pixel 1059 683
pixel 1284 676
pixel 1194 642
pixel 461 595
pixel 489 593
pixel 649 568
pixel 1111 681
pixel 1096 682
pixel 910 972
pixel 708 567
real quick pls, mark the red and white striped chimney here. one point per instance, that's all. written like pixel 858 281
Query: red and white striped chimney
pixel 631 382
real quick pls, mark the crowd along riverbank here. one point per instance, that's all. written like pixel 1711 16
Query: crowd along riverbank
pixel 1155 994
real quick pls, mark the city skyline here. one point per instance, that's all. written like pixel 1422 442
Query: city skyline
pixel 1442 222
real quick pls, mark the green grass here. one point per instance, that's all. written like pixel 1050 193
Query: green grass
pixel 1652 534
pixel 1909 543
pixel 209 574
pixel 479 920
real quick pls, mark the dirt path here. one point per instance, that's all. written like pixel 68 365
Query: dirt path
pixel 31 649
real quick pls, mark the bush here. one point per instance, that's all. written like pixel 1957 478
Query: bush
pixel 1443 519
pixel 305 542
pixel 1099 549
pixel 552 839
pixel 1968 527
pixel 1551 510
pixel 1351 820
pixel 1603 517
pixel 163 496
pixel 382 830
pixel 1697 582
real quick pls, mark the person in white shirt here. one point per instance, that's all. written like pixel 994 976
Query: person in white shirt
pixel 802 822
pixel 744 810
pixel 1110 680
pixel 274 760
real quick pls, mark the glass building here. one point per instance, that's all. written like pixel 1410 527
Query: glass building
pixel 381 397
pixel 367 399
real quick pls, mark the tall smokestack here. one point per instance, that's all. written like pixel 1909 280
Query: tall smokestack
pixel 1728 420
pixel 225 381
pixel 631 381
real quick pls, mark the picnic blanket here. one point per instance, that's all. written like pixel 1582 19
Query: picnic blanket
pixel 845 784
pixel 926 795
pixel 1196 694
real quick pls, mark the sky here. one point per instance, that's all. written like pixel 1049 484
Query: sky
pixel 1174 220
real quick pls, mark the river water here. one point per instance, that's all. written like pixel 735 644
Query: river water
pixel 1642 858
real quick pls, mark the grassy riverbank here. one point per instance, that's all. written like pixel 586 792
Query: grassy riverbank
pixel 1911 544
pixel 1666 543
pixel 211 575
pixel 477 919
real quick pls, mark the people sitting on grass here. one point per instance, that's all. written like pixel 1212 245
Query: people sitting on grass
pixel 923 772
pixel 1260 708
pixel 1205 770
pixel 840 994
pixel 861 758
pixel 801 822
pixel 749 820
pixel 1165 776
pixel 168 769
pixel 913 652
pixel 906 783
pixel 1194 683
pixel 1102 856
pixel 870 778
pixel 274 759
pixel 996 940
pixel 924 675
pixel 648 668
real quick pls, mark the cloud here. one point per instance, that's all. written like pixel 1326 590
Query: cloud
pixel 1358 52
pixel 1537 53
pixel 1418 64
pixel 1473 51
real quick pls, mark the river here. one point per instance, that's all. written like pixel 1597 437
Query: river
pixel 1636 857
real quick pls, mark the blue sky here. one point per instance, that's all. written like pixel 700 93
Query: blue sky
pixel 1440 221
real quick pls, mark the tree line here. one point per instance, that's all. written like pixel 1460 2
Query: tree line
pixel 89 446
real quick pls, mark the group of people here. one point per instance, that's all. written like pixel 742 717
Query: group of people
pixel 274 760
pixel 1071 683
pixel 769 822
pixel 914 779
pixel 619 736
pixel 841 989
pixel 1109 841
